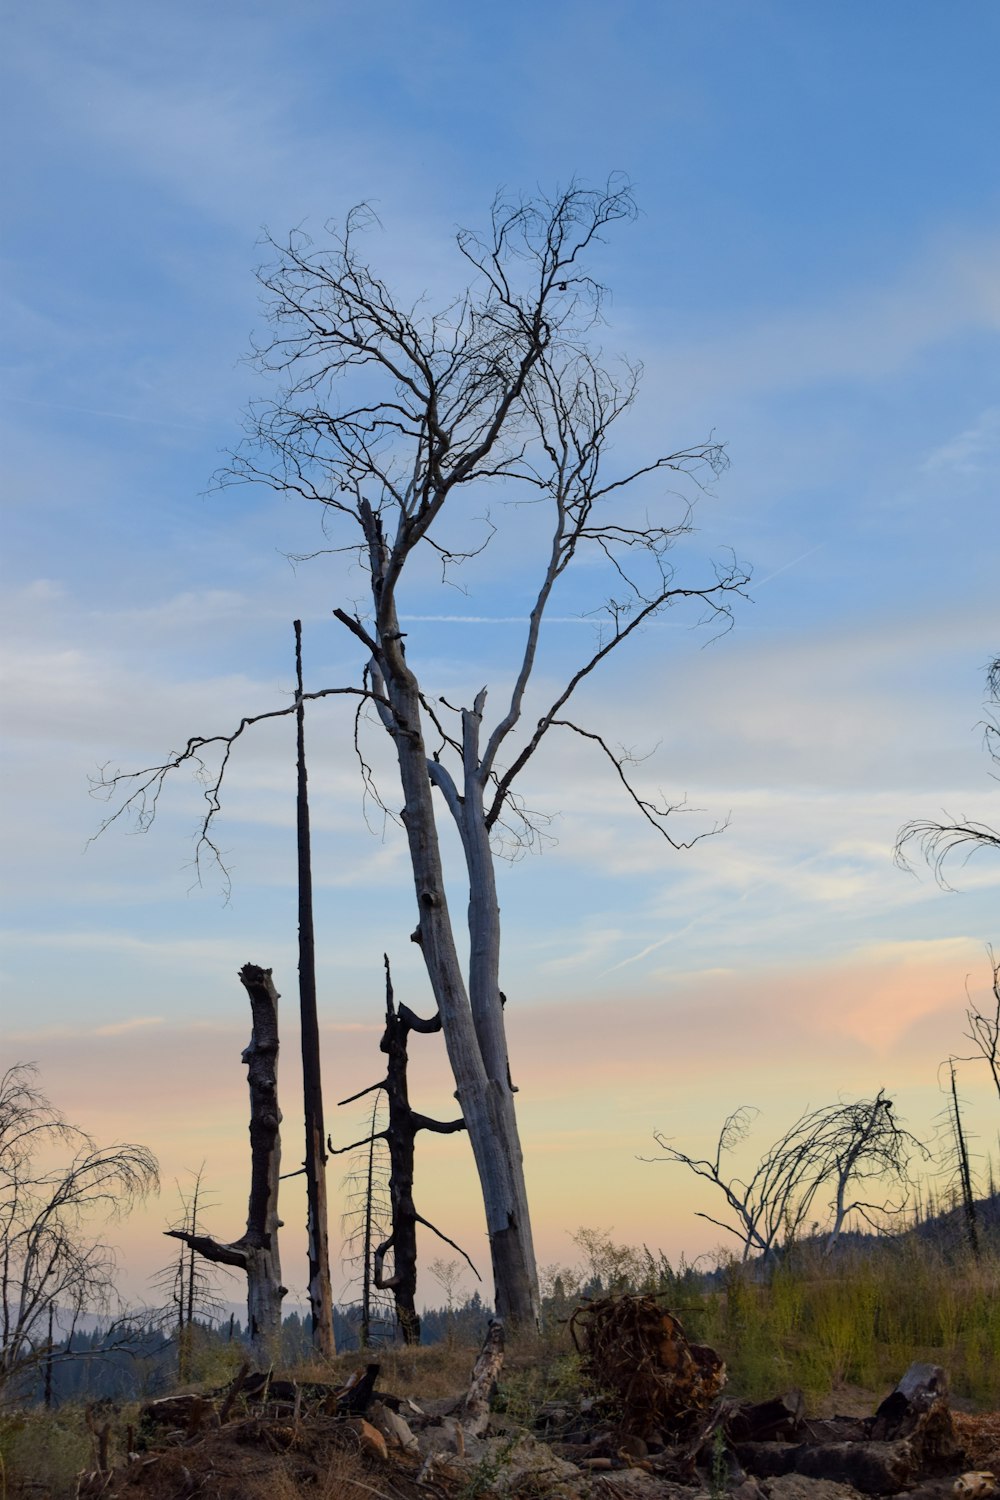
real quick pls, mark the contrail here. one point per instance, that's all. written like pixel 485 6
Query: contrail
pixel 118 416
pixel 493 620
pixel 785 566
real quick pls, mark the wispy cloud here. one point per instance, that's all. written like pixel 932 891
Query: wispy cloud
pixel 870 332
pixel 976 450
pixel 134 1023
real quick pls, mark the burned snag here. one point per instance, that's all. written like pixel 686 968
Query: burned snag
pixel 256 1251
pixel 400 1136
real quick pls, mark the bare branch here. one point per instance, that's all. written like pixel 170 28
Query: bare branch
pixel 654 813
pixel 142 803
pixel 428 1225
pixel 715 597
pixel 937 840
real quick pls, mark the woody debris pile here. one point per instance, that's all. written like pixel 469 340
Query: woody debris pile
pixel 652 1420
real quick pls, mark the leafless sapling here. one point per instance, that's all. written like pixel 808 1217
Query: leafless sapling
pixel 188 1281
pixel 366 1220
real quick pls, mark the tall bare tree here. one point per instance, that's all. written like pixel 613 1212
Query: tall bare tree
pixel 397 422
pixel 314 1163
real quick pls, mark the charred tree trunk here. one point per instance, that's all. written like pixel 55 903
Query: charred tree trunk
pixel 320 1291
pixel 366 1250
pixel 964 1171
pixel 400 1135
pixel 256 1251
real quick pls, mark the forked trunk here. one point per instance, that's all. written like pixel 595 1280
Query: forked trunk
pixel 475 1046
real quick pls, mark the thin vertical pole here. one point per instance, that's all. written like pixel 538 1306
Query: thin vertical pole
pixel 964 1171
pixel 320 1292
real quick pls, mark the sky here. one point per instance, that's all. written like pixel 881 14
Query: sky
pixel 813 278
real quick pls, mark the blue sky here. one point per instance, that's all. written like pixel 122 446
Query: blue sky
pixel 814 276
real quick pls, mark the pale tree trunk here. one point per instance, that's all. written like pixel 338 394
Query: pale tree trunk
pixel 473 1032
pixel 512 1248
pixel 256 1251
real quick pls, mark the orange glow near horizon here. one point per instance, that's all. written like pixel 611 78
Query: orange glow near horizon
pixel 595 1080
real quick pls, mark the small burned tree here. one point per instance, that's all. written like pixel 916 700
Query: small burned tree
pixel 393 419
pixel 984 1026
pixel 366 1219
pixel 400 1133
pixel 189 1281
pixel 53 1268
pixel 844 1151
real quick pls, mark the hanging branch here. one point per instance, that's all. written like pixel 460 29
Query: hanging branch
pixel 140 804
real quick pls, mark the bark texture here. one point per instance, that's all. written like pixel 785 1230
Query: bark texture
pixel 256 1251
pixel 471 1018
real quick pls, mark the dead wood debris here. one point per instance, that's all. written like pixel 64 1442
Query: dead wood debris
pixel 639 1353
pixel 655 1428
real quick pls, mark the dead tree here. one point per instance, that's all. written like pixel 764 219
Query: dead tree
pixel 320 1291
pixel 188 1281
pixel 400 1134
pixel 256 1251
pixel 962 1164
pixel 838 1150
pixel 500 387
pixel 53 1269
pixel 366 1220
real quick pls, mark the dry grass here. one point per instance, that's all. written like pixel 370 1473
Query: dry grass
pixel 432 1372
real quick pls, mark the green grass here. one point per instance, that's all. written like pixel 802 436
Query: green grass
pixel 859 1321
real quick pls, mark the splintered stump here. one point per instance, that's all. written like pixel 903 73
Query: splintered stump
pixel 640 1354
pixel 256 1251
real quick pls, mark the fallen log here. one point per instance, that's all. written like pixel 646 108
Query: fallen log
pixel 874 1468
pixel 764 1421
pixel 475 1413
